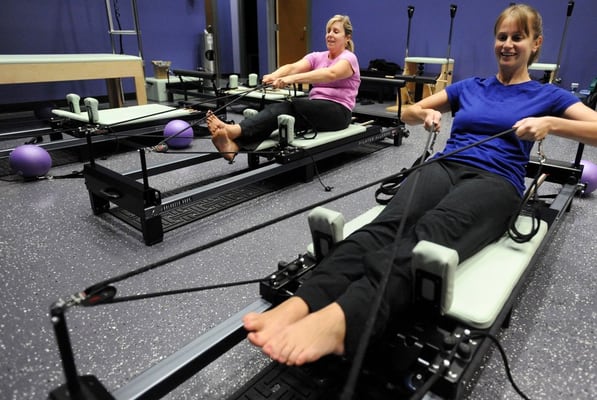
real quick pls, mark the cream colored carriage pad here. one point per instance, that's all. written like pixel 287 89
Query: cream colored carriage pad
pixel 128 115
pixel 474 291
pixel 320 139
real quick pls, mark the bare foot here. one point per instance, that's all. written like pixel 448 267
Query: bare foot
pixel 262 326
pixel 310 338
pixel 224 144
pixel 214 123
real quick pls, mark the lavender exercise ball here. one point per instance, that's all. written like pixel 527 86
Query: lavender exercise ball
pixel 180 133
pixel 589 176
pixel 30 161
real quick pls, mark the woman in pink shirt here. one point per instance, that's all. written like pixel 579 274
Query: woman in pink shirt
pixel 334 76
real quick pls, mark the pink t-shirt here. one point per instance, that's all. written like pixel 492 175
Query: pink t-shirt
pixel 343 91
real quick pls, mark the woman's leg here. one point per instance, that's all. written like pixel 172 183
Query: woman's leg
pixel 320 115
pixel 468 209
pixel 351 274
pixel 230 138
pixel 475 213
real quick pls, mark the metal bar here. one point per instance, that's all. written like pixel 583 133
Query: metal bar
pixel 66 351
pixel 410 10
pixel 170 372
pixel 568 14
pixel 137 29
pixel 172 165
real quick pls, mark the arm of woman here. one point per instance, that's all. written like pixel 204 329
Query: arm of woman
pixel 427 111
pixel 340 70
pixel 578 122
pixel 299 66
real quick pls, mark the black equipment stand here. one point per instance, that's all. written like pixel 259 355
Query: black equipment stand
pixel 86 387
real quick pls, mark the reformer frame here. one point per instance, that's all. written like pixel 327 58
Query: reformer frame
pixel 107 187
pixel 415 348
pixel 424 335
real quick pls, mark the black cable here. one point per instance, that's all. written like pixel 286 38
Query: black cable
pixel 316 170
pixel 165 140
pixel 447 360
pixel 193 105
pixel 513 231
pixel 348 390
pixel 103 296
pixel 99 286
pixel 117 15
pixel 254 228
pixel 495 341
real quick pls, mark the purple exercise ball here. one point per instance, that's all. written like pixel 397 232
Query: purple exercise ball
pixel 589 176
pixel 181 133
pixel 30 161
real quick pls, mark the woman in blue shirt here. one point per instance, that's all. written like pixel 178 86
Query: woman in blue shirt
pixel 463 202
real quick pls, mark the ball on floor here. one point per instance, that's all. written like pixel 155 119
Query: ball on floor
pixel 30 161
pixel 589 176
pixel 179 134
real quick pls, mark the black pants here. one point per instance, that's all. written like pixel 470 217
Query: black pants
pixel 320 115
pixel 454 205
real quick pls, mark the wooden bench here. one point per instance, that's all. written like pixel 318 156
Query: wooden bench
pixel 35 68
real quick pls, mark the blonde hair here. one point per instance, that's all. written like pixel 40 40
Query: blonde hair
pixel 347 25
pixel 528 19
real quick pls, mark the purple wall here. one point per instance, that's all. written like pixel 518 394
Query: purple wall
pixel 380 30
pixel 172 30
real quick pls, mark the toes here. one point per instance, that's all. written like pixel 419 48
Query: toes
pixel 249 321
pixel 224 145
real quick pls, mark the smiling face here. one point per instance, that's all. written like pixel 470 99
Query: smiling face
pixel 515 49
pixel 518 35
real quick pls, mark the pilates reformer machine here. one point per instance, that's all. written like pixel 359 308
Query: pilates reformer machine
pixel 432 353
pixel 144 207
pixel 202 84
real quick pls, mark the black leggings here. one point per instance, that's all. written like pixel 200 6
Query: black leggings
pixel 321 115
pixel 454 205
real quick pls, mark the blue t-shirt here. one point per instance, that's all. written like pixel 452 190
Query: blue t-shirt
pixel 485 107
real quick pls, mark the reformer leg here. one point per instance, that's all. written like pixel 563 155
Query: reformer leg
pixel 308 173
pixel 99 205
pixel 152 229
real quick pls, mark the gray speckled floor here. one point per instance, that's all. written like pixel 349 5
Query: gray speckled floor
pixel 51 246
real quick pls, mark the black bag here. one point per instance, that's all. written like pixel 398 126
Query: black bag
pixel 591 100
pixel 384 67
